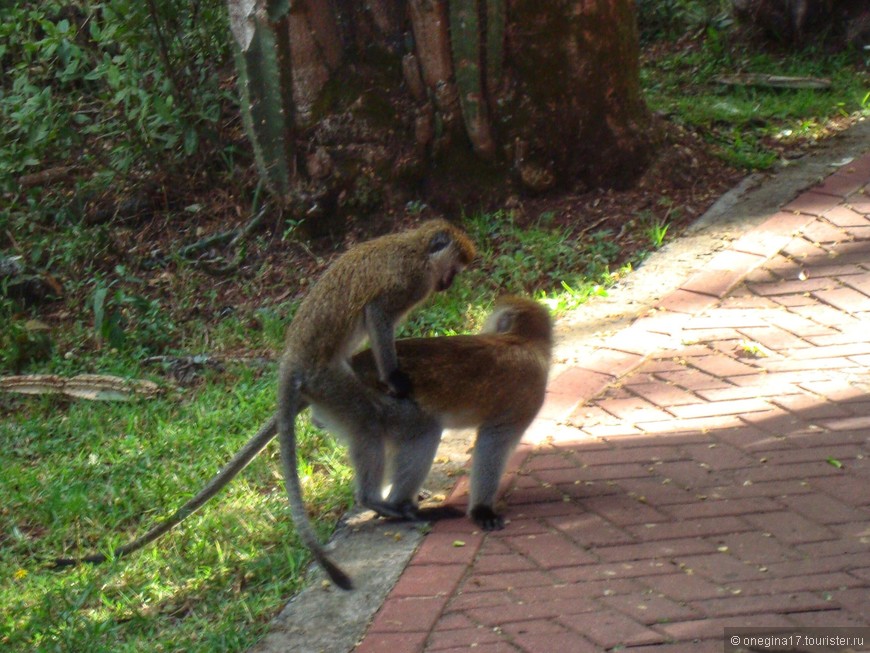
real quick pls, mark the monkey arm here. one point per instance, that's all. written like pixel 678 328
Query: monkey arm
pixel 380 329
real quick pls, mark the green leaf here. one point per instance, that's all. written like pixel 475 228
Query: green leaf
pixel 191 141
pixel 100 311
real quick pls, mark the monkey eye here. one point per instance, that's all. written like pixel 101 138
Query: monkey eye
pixel 439 241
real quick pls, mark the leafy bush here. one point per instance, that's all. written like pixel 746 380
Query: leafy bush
pixel 659 19
pixel 78 84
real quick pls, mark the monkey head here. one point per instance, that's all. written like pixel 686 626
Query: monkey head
pixel 450 252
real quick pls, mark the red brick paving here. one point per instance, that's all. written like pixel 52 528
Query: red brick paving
pixel 722 482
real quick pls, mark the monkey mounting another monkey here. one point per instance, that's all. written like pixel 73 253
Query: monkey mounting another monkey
pixel 363 295
pixel 493 381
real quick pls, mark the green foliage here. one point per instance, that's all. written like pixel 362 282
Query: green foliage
pixel 751 126
pixel 78 84
pixel 23 343
pixel 667 19
pixel 532 256
pixel 123 318
pixel 655 229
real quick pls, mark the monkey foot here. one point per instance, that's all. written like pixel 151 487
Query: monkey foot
pixel 487 518
pixel 405 511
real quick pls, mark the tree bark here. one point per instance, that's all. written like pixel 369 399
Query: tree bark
pixel 574 91
pixel 454 101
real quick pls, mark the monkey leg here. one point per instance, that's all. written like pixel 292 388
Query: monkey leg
pixel 492 449
pixel 357 415
pixel 411 451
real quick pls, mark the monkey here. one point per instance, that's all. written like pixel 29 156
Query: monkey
pixel 458 382
pixel 494 381
pixel 363 295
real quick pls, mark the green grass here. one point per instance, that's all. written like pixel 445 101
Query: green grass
pixel 80 474
pixel 546 262
pixel 750 127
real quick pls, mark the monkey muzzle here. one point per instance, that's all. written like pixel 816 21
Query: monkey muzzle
pixel 446 281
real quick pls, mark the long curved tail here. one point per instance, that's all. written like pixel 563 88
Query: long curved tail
pixel 289 405
pixel 236 464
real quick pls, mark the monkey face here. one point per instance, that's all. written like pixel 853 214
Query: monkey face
pixel 449 251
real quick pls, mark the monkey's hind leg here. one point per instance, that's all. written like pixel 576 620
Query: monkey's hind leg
pixel 492 449
pixel 356 414
pixel 414 439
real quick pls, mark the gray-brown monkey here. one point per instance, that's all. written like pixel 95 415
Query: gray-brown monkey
pixel 494 381
pixel 364 294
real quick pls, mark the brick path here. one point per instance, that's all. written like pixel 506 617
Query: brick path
pixel 710 467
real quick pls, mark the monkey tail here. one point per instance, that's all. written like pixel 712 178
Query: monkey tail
pixel 289 406
pixel 236 464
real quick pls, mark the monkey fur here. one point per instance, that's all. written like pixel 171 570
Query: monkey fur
pixel 460 382
pixel 363 295
pixel 493 381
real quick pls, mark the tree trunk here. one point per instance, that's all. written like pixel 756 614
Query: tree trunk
pixel 451 101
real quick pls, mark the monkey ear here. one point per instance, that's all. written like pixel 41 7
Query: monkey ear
pixel 440 241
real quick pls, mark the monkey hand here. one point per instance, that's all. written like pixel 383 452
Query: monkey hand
pixel 399 384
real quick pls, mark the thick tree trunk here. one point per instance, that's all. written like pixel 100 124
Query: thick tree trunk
pixel 574 104
pixel 466 100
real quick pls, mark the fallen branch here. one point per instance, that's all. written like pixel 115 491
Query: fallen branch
pixel 233 238
pixel 774 81
pixel 45 176
pixel 184 369
pixel 94 387
pixel 209 360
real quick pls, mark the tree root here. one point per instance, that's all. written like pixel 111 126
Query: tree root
pixel 221 266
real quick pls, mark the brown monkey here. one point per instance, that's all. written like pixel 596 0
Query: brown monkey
pixel 494 381
pixel 365 293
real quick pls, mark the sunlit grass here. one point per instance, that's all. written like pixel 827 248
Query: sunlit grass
pixel 79 477
pixel 747 124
